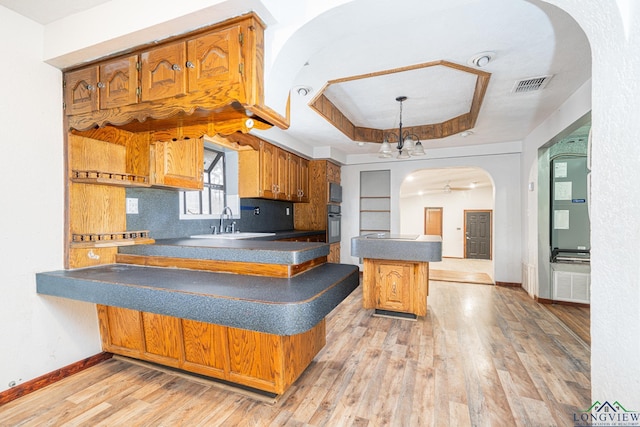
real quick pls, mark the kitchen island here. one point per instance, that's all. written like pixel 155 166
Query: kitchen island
pixel 395 279
pixel 253 330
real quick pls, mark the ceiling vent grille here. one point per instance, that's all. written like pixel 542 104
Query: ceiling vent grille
pixel 531 84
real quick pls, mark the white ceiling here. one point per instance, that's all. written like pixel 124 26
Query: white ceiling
pixel 47 11
pixel 529 38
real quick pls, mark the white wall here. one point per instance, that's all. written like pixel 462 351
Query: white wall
pixel 38 334
pixel 500 161
pixel 454 204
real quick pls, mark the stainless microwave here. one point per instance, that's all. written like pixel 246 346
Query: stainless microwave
pixel 335 193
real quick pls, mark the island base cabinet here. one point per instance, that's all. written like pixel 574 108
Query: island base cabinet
pixel 255 359
pixel 399 286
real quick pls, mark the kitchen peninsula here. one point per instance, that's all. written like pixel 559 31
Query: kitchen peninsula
pixel 255 330
pixel 249 312
pixel 395 279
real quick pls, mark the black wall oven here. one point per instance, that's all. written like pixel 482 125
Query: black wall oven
pixel 333 223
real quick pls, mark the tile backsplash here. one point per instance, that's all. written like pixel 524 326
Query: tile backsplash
pixel 158 212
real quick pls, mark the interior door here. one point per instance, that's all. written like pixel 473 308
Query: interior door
pixel 477 233
pixel 433 221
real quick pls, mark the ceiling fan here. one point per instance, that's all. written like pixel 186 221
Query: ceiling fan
pixel 448 188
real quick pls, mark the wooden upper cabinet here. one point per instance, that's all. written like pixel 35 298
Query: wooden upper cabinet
pixel 298 179
pixel 213 61
pixel 265 172
pixel 178 163
pixel 111 84
pixel 281 174
pixel 268 172
pixel 333 173
pixel 163 72
pixel 80 91
pixel 208 62
pixel 211 80
pixel 118 85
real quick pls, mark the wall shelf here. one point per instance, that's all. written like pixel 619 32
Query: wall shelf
pixel 119 238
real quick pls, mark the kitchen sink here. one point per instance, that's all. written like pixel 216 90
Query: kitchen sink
pixel 231 236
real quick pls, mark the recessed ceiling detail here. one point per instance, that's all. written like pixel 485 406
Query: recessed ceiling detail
pixel 444 99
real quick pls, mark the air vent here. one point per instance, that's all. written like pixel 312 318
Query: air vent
pixel 531 84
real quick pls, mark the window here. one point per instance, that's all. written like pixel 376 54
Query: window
pixel 209 202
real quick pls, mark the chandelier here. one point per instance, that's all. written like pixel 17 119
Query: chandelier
pixel 408 144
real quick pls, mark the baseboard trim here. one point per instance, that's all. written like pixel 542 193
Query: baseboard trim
pixel 569 303
pixel 52 377
pixel 509 284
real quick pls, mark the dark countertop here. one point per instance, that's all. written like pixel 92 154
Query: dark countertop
pixel 290 233
pixel 405 247
pixel 255 250
pixel 265 304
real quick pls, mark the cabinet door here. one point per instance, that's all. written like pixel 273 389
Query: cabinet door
pixel 254 357
pixel 298 179
pixel 282 174
pixel 294 177
pixel 394 286
pixel 205 344
pixel 80 91
pixel 333 173
pixel 119 82
pixel 334 253
pixel 163 72
pixel 121 330
pixel 162 335
pixel 268 166
pixel 214 62
pixel 179 163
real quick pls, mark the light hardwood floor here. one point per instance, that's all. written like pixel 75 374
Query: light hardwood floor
pixel 483 356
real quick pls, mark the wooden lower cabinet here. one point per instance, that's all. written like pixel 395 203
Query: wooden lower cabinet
pixel 400 286
pixel 263 361
pixel 334 253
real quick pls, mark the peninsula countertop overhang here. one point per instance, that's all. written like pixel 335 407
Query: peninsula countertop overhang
pixel 249 250
pixel 280 306
pixel 406 247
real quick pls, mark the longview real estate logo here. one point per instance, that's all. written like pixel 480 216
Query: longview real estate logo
pixel 607 414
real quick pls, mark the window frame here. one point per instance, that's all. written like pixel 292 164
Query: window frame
pixel 207 186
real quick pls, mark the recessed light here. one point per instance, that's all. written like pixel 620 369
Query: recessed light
pixel 481 59
pixel 466 133
pixel 303 90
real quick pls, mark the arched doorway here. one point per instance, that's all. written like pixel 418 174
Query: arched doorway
pixel 458 204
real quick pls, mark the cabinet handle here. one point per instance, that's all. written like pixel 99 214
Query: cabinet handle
pixel 91 87
pixel 101 85
pixel 176 67
pixel 190 64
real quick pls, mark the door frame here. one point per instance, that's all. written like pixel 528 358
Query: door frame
pixel 424 218
pixel 464 234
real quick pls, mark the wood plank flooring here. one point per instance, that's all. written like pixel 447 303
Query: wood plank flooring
pixel 460 277
pixel 578 319
pixel 483 356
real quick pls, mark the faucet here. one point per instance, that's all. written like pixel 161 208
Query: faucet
pixel 229 213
